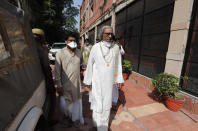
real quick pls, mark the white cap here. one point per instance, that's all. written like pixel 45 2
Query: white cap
pixel 72 45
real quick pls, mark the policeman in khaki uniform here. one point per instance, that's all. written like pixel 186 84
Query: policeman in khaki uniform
pixel 43 58
pixel 86 49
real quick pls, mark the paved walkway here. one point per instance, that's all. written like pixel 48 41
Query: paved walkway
pixel 140 113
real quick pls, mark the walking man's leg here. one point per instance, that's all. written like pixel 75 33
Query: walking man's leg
pixel 101 120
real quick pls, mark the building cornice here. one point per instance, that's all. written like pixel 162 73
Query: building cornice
pixel 108 14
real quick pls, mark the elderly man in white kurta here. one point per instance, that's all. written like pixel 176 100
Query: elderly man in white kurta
pixel 103 70
pixel 67 77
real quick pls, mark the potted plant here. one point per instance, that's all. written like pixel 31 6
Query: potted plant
pixel 168 86
pixel 126 69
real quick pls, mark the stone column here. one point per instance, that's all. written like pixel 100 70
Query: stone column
pixel 113 17
pixel 19 3
pixel 83 40
pixel 178 36
pixel 96 35
pixel 113 21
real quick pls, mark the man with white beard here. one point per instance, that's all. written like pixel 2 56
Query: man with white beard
pixel 103 70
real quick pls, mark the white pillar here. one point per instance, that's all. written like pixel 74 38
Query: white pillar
pixel 178 36
pixel 19 3
pixel 113 21
pixel 113 17
pixel 96 35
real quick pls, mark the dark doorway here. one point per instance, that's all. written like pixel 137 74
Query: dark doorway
pixel 190 66
pixel 144 29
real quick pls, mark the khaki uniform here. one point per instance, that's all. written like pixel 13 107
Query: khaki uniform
pixel 85 52
pixel 43 56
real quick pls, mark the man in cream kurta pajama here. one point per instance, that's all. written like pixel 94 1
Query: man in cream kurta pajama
pixel 103 70
pixel 67 76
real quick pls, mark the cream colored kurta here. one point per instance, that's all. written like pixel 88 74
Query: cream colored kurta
pixel 101 76
pixel 67 73
pixel 85 52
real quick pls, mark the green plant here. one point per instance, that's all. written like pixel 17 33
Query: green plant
pixel 126 66
pixel 167 85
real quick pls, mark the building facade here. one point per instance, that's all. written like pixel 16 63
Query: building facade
pixel 157 35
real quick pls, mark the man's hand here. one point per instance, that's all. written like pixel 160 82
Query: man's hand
pixel 120 85
pixel 60 91
pixel 88 87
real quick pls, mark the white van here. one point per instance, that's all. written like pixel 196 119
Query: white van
pixel 23 97
pixel 55 47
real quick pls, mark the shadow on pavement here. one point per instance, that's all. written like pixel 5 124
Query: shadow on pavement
pixel 156 96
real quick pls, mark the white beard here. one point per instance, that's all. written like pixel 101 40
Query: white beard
pixel 107 44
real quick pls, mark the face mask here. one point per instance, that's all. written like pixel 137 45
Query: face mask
pixel 72 45
pixel 107 44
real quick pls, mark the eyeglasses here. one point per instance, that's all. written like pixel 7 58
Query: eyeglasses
pixel 109 34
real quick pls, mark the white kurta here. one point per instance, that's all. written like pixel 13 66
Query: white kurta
pixel 101 76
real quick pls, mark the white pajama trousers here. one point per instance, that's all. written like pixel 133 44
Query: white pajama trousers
pixel 73 110
pixel 101 120
pixel 115 94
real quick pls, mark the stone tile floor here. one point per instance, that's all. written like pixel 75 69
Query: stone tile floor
pixel 140 113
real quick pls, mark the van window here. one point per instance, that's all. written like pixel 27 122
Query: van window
pixel 4 54
pixel 15 33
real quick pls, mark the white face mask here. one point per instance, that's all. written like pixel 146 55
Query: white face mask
pixel 72 45
pixel 107 44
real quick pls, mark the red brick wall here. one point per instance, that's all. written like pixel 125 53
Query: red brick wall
pixel 82 10
pixel 96 12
